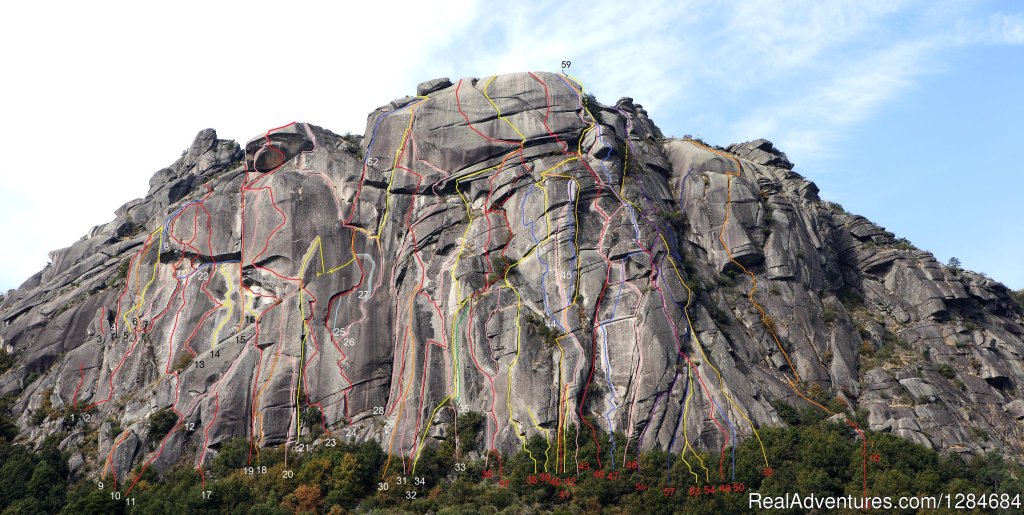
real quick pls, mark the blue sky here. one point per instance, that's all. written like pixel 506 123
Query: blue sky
pixel 908 112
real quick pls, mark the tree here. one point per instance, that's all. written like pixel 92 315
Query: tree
pixel 305 499
pixel 1018 296
pixel 345 485
pixel 953 263
pixel 161 422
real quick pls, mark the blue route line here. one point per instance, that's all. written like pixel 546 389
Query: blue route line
pixel 608 369
pixel 376 124
pixel 540 257
pixel 572 240
pixel 674 252
pixel 604 330
pixel 172 216
pixel 200 267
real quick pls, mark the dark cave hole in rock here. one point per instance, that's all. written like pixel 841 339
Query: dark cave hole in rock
pixel 269 153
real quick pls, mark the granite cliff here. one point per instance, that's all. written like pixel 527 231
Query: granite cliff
pixel 506 246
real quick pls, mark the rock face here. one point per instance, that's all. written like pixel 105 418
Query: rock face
pixel 505 246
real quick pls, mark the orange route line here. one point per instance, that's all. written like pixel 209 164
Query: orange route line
pixel 765 319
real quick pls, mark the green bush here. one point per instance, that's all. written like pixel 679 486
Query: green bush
pixel 837 207
pixel 829 316
pixel 549 335
pixel 120 275
pixel 677 218
pixel 1018 297
pixel 903 244
pixel 897 341
pixel 231 456
pixel 720 316
pixel 811 455
pixel 354 145
pixel 500 267
pixel 7 361
pixel 183 362
pixel 728 278
pixel 945 370
pixel 161 422
pixel 850 297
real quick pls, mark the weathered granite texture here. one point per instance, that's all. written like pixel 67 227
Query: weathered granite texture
pixel 506 246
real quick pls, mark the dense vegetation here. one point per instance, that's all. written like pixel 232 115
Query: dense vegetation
pixel 812 455
pixel 1018 296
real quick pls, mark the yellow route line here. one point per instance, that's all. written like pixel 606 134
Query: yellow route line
pixel 458 286
pixel 700 347
pixel 750 294
pixel 721 239
pixel 227 303
pixel 318 242
pixel 562 426
pixel 305 333
pixel 579 156
pixel 317 245
pixel 404 386
pixel 495 106
pixel 686 436
pixel 394 165
pixel 689 321
pixel 152 276
pixel 519 303
pixel 508 394
pixel 400 403
pixel 458 257
pixel 686 402
pixel 419 447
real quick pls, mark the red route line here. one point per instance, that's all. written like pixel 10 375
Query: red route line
pixel 135 330
pixel 497 209
pixel 707 393
pixel 247 186
pixel 649 253
pixel 259 366
pixel 143 327
pixel 595 204
pixel 565 150
pixel 416 253
pixel 593 340
pixel 81 378
pixel 764 315
pixel 167 370
pixel 312 304
pixel 206 436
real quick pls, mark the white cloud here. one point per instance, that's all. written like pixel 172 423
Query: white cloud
pixel 769 39
pixel 837 86
pixel 809 125
pixel 617 48
pixel 998 28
